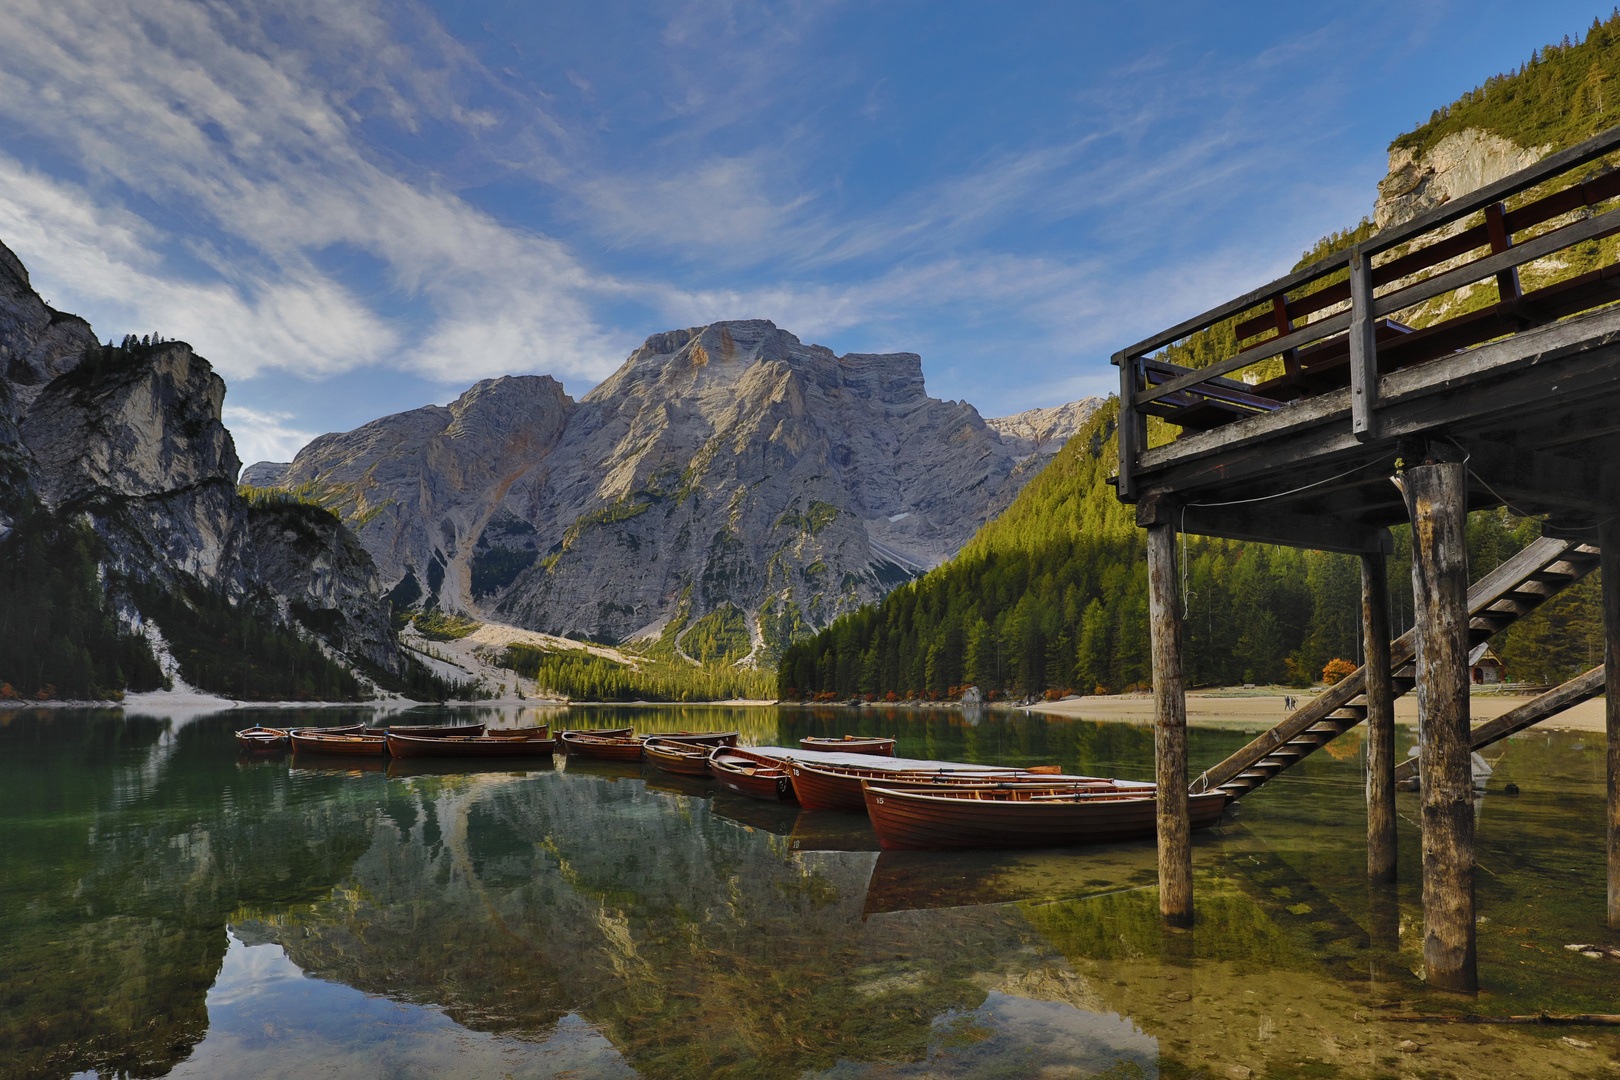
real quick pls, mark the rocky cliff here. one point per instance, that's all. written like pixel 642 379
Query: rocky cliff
pixel 1461 162
pixel 722 471
pixel 130 440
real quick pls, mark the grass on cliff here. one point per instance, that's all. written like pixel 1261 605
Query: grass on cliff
pixel 583 676
pixel 439 626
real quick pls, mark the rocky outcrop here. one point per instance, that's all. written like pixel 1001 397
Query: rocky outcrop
pixel 131 440
pixel 327 581
pixel 722 469
pixel 37 342
pixel 266 474
pixel 1457 164
pixel 420 486
pixel 1043 431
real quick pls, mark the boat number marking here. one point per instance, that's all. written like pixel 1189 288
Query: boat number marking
pixel 880 802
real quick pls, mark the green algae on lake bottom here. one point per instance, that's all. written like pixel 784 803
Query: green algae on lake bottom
pixel 171 908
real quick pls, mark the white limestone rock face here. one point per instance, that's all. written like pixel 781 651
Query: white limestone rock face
pixel 721 467
pixel 1462 162
pixel 1044 431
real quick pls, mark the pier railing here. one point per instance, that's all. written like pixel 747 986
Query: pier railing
pixel 1331 323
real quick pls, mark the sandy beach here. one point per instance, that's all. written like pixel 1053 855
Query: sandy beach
pixel 1238 709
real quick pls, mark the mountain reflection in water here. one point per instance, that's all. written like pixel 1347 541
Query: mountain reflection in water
pixel 170 907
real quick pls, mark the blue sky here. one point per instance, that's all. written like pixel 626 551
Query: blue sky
pixel 356 208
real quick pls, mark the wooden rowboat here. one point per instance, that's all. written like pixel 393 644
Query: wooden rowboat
pixel 698 738
pixel 754 775
pixel 677 756
pixel 262 740
pixel 316 741
pixel 517 744
pixel 850 744
pixel 825 786
pixel 444 731
pixel 603 747
pixel 341 729
pixel 954 816
pixel 601 733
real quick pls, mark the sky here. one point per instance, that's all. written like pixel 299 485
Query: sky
pixel 357 208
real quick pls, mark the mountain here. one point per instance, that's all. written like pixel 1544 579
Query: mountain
pixel 726 476
pixel 121 529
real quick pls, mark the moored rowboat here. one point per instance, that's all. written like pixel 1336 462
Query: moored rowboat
pixel 262 740
pixel 602 733
pixel 959 816
pixel 315 741
pixel 443 731
pixel 850 744
pixel 750 774
pixel 698 738
pixel 603 747
pixel 532 743
pixel 827 786
pixel 676 756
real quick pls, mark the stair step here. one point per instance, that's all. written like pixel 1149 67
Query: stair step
pixel 1331 730
pixel 1253 774
pixel 1272 763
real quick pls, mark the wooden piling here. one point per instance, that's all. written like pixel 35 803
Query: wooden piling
pixel 1380 719
pixel 1437 497
pixel 1170 726
pixel 1609 545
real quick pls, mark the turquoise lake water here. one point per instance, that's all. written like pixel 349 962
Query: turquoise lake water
pixel 169 907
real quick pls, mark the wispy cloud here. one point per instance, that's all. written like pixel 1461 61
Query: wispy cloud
pixel 197 116
pixel 263 436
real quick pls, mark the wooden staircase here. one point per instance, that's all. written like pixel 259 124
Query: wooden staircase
pixel 1496 601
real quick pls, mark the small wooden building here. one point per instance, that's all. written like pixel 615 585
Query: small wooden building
pixel 1485 667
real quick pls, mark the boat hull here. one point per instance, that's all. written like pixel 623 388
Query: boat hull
pixel 603 749
pixel 692 762
pixel 468 746
pixel 443 731
pixel 922 821
pixel 820 787
pixel 262 740
pixel 599 733
pixel 348 745
pixel 875 747
pixel 752 775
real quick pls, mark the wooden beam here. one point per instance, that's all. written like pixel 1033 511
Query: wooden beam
pixel 1132 428
pixel 1263 351
pixel 1363 349
pixel 1609 543
pixel 1169 728
pixel 1511 366
pixel 1539 708
pixel 1381 847
pixel 1262 522
pixel 1532 475
pixel 1437 492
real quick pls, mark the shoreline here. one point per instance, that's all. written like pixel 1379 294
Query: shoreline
pixel 1226 708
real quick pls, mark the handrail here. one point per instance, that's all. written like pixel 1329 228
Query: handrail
pixel 1473 202
pixel 1362 304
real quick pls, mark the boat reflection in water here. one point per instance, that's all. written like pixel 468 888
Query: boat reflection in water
pixel 169 911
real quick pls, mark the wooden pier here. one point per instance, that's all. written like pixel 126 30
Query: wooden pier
pixel 1333 419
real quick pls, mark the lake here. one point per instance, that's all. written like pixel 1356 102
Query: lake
pixel 170 907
